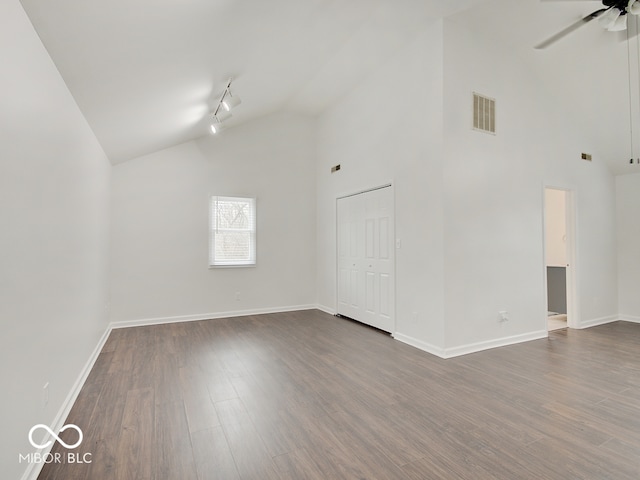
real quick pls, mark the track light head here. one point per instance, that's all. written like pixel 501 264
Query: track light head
pixel 216 126
pixel 223 115
pixel 230 101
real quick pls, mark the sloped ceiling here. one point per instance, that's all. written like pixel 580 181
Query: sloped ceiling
pixel 145 73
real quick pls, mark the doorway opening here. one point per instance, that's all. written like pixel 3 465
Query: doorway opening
pixel 559 227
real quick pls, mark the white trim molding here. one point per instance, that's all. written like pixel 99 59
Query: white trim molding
pixel 325 309
pixel 472 347
pixel 598 321
pixel 419 344
pixel 207 316
pixel 498 342
pixel 629 318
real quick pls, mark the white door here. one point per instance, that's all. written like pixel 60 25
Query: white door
pixel 365 227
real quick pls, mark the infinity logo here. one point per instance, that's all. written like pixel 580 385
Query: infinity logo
pixel 51 432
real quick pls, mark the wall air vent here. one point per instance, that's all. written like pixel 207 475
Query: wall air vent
pixel 484 113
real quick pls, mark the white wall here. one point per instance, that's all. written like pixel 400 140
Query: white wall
pixel 54 186
pixel 160 223
pixel 469 205
pixel 628 223
pixel 468 211
pixel 390 129
pixel 494 195
pixel 555 205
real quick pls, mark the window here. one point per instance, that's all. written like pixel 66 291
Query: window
pixel 232 231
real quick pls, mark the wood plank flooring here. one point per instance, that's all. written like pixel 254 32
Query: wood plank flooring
pixel 304 395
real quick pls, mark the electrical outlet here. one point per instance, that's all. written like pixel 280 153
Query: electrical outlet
pixel 238 296
pixel 504 316
pixel 45 395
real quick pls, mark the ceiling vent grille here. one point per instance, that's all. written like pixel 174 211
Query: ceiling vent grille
pixel 484 113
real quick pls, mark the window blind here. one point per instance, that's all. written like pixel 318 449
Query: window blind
pixel 232 232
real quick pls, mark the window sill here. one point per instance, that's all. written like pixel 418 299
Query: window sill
pixel 215 267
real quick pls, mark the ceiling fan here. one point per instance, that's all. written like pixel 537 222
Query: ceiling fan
pixel 613 17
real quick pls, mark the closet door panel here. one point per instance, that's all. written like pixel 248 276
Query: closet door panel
pixel 365 237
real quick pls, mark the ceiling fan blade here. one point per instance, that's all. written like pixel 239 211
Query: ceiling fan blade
pixel 570 28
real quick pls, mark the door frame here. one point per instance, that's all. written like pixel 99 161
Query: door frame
pixel 571 242
pixel 353 193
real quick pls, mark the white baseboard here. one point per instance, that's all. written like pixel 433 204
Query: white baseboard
pixel 598 321
pixel 472 347
pixel 419 344
pixel 33 469
pixel 499 342
pixel 207 316
pixel 325 309
pixel 629 318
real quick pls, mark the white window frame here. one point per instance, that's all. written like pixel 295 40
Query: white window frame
pixel 214 230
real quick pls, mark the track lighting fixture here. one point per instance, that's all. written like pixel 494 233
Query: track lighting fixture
pixel 230 101
pixel 223 110
pixel 223 115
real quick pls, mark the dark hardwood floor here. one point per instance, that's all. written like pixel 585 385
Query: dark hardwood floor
pixel 305 395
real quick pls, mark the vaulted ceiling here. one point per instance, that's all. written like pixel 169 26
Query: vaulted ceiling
pixel 145 73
